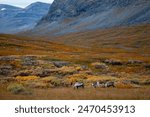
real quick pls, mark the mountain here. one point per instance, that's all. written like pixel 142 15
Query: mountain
pixel 8 11
pixel 79 15
pixel 14 19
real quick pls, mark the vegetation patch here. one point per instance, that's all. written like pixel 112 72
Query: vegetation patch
pixel 9 45
pixel 16 88
pixel 102 78
pixel 26 78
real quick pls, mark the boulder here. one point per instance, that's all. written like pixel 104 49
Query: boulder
pixel 22 73
pixel 113 62
pixel 98 65
pixel 6 70
pixel 29 61
pixel 60 63
pixel 147 66
pixel 7 58
pixel 135 62
pixel 44 73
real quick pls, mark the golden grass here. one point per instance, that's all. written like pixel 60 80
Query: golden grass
pixel 76 77
pixel 48 79
pixel 126 43
pixel 82 94
pixel 26 78
pixel 123 43
pixel 124 86
pixel 92 78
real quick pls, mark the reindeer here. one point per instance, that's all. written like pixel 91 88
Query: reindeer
pixel 109 84
pixel 78 85
pixel 96 84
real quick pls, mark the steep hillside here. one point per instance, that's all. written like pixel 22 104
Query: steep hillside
pixel 14 19
pixel 122 42
pixel 8 11
pixel 18 45
pixel 80 15
pixel 119 43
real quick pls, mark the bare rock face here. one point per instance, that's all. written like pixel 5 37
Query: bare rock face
pixel 72 8
pixel 67 16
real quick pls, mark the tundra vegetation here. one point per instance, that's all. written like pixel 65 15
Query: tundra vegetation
pixel 35 68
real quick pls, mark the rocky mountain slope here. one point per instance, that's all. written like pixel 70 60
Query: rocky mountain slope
pixel 14 19
pixel 79 15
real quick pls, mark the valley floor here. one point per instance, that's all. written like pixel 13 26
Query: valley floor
pixel 36 68
pixel 38 77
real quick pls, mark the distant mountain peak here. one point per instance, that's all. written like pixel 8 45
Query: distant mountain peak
pixel 14 19
pixel 35 4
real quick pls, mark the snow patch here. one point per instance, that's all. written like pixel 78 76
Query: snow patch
pixel 3 9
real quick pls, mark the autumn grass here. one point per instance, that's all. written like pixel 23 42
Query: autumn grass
pixel 84 48
pixel 26 78
pixel 82 94
pixel 118 43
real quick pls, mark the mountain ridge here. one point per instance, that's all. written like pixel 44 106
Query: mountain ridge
pixel 81 15
pixel 15 19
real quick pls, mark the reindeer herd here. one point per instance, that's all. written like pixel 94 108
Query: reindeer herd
pixel 78 85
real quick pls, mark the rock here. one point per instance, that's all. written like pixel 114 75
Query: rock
pixel 29 61
pixel 135 62
pixel 146 82
pixel 23 73
pixel 6 70
pixel 60 63
pixel 44 73
pixel 147 66
pixel 67 16
pixel 7 58
pixel 134 82
pixel 84 67
pixel 67 70
pixel 98 65
pixel 113 62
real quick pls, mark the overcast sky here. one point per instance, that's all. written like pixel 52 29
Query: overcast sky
pixel 22 3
